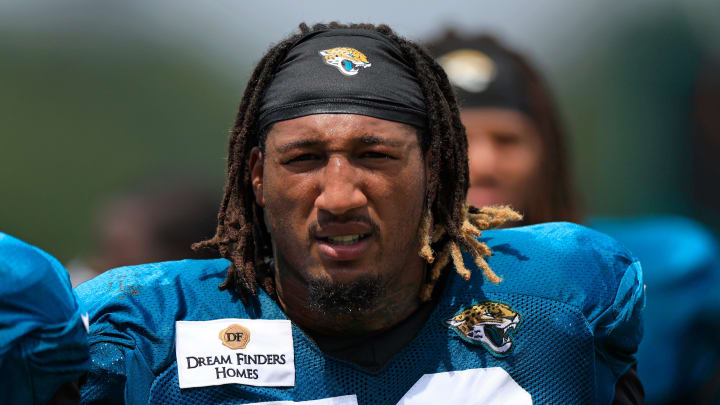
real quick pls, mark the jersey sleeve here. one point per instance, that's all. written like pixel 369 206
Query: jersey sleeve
pixel 43 340
pixel 118 371
pixel 618 328
pixel 681 263
pixel 117 375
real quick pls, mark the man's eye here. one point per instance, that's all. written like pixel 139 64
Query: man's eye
pixel 507 139
pixel 304 158
pixel 375 155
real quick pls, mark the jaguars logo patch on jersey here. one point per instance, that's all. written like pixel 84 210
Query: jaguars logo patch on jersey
pixel 490 324
pixel 347 60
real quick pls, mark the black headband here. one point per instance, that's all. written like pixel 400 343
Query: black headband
pixel 486 78
pixel 353 71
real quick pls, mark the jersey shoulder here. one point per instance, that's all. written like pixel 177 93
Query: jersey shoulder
pixel 561 261
pixel 151 282
pixel 133 312
pixel 135 308
pixel 572 279
pixel 151 297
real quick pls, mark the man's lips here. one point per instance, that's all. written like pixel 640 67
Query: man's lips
pixel 343 240
pixel 332 251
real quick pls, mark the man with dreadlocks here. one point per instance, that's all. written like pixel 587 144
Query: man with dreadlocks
pixel 354 271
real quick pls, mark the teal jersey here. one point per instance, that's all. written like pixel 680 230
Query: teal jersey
pixel 43 342
pixel 682 273
pixel 562 327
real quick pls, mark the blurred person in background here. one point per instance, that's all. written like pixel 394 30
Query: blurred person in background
pixel 155 221
pixel 517 155
pixel 516 147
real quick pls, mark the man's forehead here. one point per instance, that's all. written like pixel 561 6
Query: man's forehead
pixel 328 128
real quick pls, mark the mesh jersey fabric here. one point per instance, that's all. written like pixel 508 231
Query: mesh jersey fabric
pixel 682 272
pixel 43 342
pixel 579 294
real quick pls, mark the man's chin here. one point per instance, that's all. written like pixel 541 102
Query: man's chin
pixel 346 271
pixel 339 298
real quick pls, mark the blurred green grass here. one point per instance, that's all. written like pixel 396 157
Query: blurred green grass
pixel 84 115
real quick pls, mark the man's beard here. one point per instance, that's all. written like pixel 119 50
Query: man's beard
pixel 345 300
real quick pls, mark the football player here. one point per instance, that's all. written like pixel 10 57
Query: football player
pixel 516 143
pixel 353 271
pixel 517 156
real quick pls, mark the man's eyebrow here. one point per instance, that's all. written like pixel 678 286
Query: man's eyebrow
pixel 370 139
pixel 303 143
pixel 367 139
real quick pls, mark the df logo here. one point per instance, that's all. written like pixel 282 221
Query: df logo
pixel 235 336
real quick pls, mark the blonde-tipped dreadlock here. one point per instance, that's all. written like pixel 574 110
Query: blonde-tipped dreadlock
pixel 475 221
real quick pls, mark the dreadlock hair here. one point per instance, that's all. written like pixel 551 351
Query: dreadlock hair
pixel 558 200
pixel 448 224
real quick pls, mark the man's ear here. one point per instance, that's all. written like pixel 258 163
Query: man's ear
pixel 256 175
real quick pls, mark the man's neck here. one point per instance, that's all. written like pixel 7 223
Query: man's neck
pixel 399 299
pixel 392 309
pixel 373 352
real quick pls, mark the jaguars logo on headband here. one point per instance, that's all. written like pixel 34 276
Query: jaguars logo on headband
pixel 490 324
pixel 347 60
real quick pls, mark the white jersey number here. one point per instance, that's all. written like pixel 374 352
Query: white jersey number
pixel 477 386
pixel 486 386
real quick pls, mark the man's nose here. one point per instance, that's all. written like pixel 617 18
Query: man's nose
pixel 340 190
pixel 482 160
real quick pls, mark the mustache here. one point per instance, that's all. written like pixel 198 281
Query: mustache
pixel 325 218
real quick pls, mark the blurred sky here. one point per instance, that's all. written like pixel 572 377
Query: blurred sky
pixel 237 32
pixel 97 96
